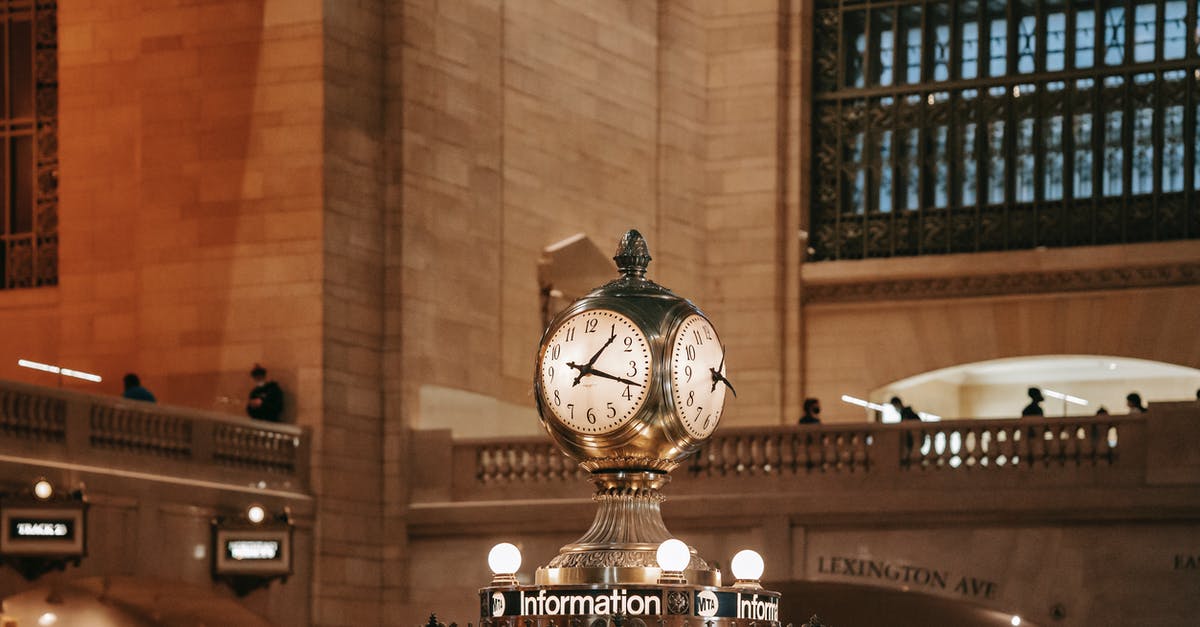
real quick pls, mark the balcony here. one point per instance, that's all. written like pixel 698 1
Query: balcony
pixel 89 433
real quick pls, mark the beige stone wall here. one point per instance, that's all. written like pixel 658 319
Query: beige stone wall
pixel 190 211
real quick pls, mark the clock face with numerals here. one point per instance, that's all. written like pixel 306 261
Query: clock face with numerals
pixel 594 371
pixel 697 376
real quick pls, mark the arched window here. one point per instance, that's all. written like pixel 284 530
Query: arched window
pixel 977 125
pixel 28 144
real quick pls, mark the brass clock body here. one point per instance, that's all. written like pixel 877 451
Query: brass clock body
pixel 641 417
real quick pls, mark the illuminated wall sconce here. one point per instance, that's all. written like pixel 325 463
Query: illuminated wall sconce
pixel 673 557
pixel 252 550
pixel 505 560
pixel 42 530
pixel 747 567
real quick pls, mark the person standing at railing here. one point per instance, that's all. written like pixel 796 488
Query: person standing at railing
pixel 266 399
pixel 1134 402
pixel 906 411
pixel 1034 408
pixel 135 391
pixel 812 412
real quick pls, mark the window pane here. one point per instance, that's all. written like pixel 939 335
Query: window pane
pixel 1026 44
pixel 1144 28
pixel 21 186
pixel 912 169
pixel 969 165
pixel 938 146
pixel 939 22
pixel 1143 151
pixel 1174 29
pixel 1053 166
pixel 882 29
pixel 21 69
pixel 1172 163
pixel 885 172
pixel 997 40
pixel 1085 39
pixel 854 34
pixel 970 42
pixel 1056 41
pixel 996 162
pixel 855 176
pixel 1083 155
pixel 911 25
pixel 1024 162
pixel 1114 156
pixel 1114 35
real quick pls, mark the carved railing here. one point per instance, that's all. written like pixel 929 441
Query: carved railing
pixel 86 430
pixel 963 453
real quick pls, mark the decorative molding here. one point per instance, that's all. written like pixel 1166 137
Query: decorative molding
pixel 1002 284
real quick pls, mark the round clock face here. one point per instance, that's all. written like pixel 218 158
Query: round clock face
pixel 594 371
pixel 698 376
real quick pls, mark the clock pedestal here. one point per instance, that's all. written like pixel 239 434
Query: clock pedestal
pixel 621 543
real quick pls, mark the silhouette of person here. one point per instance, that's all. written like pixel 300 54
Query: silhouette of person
pixel 266 399
pixel 1034 408
pixel 1134 402
pixel 906 411
pixel 135 391
pixel 1103 411
pixel 812 412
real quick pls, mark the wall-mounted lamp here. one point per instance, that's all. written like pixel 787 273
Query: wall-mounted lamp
pixel 505 560
pixel 673 557
pixel 747 567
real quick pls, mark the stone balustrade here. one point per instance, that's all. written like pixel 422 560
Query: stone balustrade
pixel 85 431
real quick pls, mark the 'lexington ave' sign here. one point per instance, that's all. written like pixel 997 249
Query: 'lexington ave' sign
pixel 703 602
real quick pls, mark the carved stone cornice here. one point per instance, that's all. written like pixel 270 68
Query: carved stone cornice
pixel 1002 284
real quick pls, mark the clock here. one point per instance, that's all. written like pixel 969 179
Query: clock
pixel 594 371
pixel 698 380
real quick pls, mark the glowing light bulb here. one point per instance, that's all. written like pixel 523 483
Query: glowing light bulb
pixel 673 555
pixel 42 489
pixel 504 559
pixel 256 514
pixel 49 618
pixel 1016 620
pixel 747 565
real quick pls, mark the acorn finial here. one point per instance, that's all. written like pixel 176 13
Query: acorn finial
pixel 633 255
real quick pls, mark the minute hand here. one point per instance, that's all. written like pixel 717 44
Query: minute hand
pixel 605 375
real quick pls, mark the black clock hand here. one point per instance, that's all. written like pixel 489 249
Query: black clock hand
pixel 717 377
pixel 601 373
pixel 586 369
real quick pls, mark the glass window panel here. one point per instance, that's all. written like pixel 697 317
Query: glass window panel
pixel 1172 163
pixel 939 23
pixel 1026 44
pixel 1145 28
pixel 1143 151
pixel 1083 156
pixel 885 172
pixel 856 180
pixel 939 141
pixel 912 169
pixel 1052 186
pixel 997 46
pixel 1085 39
pixel 996 162
pixel 970 49
pixel 1114 154
pixel 20 69
pixel 911 28
pixel 882 29
pixel 1114 35
pixel 21 184
pixel 1174 29
pixel 970 160
pixel 854 34
pixel 1024 161
pixel 1056 41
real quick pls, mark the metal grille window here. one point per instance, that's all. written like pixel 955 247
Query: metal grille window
pixel 976 125
pixel 29 143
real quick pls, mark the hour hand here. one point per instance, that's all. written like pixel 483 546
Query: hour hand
pixel 601 373
pixel 717 377
pixel 584 369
